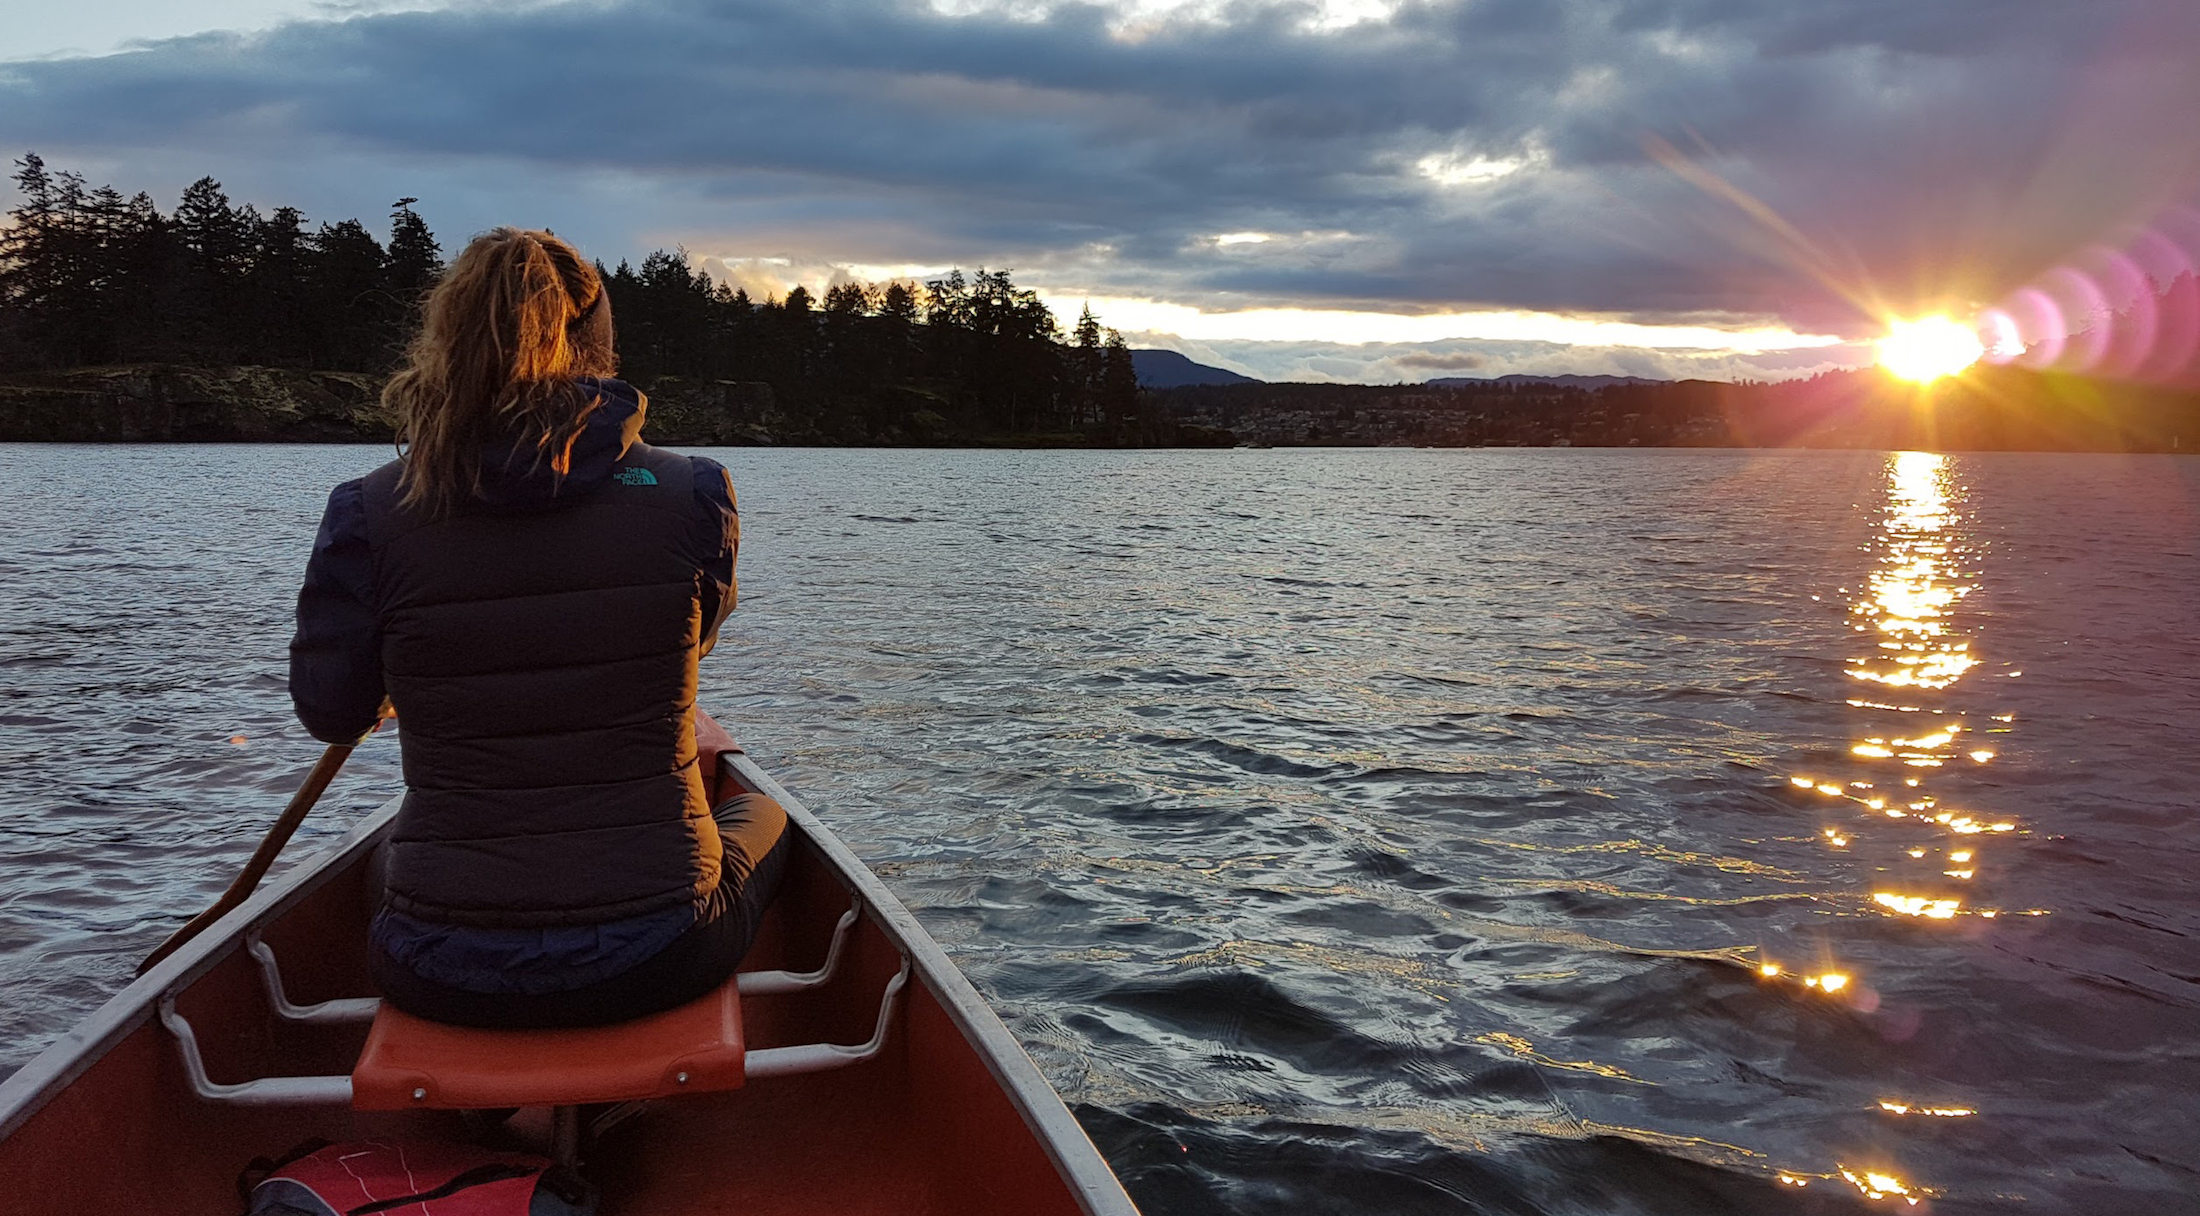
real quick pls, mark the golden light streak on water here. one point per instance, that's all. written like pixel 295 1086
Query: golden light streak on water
pixel 1526 1050
pixel 1914 641
pixel 1917 905
pixel 1876 1185
pixel 1944 1112
pixel 1917 652
pixel 1917 584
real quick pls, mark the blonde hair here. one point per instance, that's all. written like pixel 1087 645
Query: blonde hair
pixel 502 335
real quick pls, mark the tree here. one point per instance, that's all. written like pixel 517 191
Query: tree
pixel 415 260
pixel 1118 386
pixel 280 289
pixel 663 315
pixel 1086 365
pixel 899 303
pixel 349 302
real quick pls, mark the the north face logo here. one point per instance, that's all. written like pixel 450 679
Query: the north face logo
pixel 634 475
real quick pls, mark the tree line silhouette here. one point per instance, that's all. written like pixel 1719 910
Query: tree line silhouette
pixel 1987 408
pixel 89 277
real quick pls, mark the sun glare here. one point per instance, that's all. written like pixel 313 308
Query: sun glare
pixel 1928 348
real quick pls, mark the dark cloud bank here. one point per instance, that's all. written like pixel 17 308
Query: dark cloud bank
pixel 1916 148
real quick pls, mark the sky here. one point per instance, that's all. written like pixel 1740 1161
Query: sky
pixel 1366 190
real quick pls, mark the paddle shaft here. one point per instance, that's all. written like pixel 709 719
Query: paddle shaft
pixel 324 771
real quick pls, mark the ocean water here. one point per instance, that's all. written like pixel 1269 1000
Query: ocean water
pixel 1507 831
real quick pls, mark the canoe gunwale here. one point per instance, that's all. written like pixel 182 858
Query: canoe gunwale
pixel 28 1090
pixel 1064 1140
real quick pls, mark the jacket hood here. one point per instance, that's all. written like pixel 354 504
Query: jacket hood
pixel 514 476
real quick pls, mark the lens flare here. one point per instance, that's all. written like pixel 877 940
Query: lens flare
pixel 1927 348
pixel 2129 311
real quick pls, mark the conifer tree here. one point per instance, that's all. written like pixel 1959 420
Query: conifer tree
pixel 1085 368
pixel 281 289
pixel 898 303
pixel 349 303
pixel 415 258
pixel 1118 387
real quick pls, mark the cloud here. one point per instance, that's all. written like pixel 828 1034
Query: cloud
pixel 1441 361
pixel 1438 155
pixel 1401 363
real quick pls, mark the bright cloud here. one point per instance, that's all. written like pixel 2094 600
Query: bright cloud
pixel 1351 327
pixel 1452 169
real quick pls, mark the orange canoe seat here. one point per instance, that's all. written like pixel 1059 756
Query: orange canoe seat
pixel 412 1062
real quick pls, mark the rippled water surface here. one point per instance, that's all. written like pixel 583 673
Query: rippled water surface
pixel 1474 831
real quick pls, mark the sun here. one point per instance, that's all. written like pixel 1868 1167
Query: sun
pixel 1927 348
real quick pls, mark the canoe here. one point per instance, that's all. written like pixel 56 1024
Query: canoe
pixel 877 1080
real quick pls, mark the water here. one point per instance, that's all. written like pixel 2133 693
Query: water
pixel 1377 831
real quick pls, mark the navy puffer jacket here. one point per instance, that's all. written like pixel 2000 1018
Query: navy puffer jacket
pixel 540 646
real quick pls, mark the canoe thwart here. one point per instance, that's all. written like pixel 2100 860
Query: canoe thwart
pixel 343 1009
pixel 265 1091
pixel 769 983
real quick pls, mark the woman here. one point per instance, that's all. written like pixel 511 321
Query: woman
pixel 530 586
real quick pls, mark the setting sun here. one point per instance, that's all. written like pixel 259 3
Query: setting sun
pixel 1928 348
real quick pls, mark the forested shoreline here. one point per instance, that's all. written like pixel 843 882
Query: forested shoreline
pixel 1986 409
pixel 91 279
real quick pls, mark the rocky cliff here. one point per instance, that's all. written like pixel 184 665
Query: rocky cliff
pixel 140 404
pixel 719 413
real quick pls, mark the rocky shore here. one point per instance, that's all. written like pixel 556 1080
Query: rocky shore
pixel 176 404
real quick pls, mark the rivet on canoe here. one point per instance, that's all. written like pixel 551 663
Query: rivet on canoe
pixel 682 1078
pixel 420 1095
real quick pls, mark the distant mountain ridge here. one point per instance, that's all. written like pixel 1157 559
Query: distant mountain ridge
pixel 1567 381
pixel 1168 369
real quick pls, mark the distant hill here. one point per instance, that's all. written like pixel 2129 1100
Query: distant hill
pixel 1168 369
pixel 1586 382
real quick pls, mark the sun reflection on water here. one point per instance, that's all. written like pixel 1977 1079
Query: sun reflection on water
pixel 1899 802
pixel 1916 584
pixel 1876 1184
pixel 1918 652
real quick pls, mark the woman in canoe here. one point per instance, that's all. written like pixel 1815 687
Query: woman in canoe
pixel 531 587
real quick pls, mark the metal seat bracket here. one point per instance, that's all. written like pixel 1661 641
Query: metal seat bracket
pixel 823 1057
pixel 768 983
pixel 345 1009
pixel 267 1091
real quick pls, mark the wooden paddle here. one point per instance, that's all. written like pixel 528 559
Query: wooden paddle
pixel 324 771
